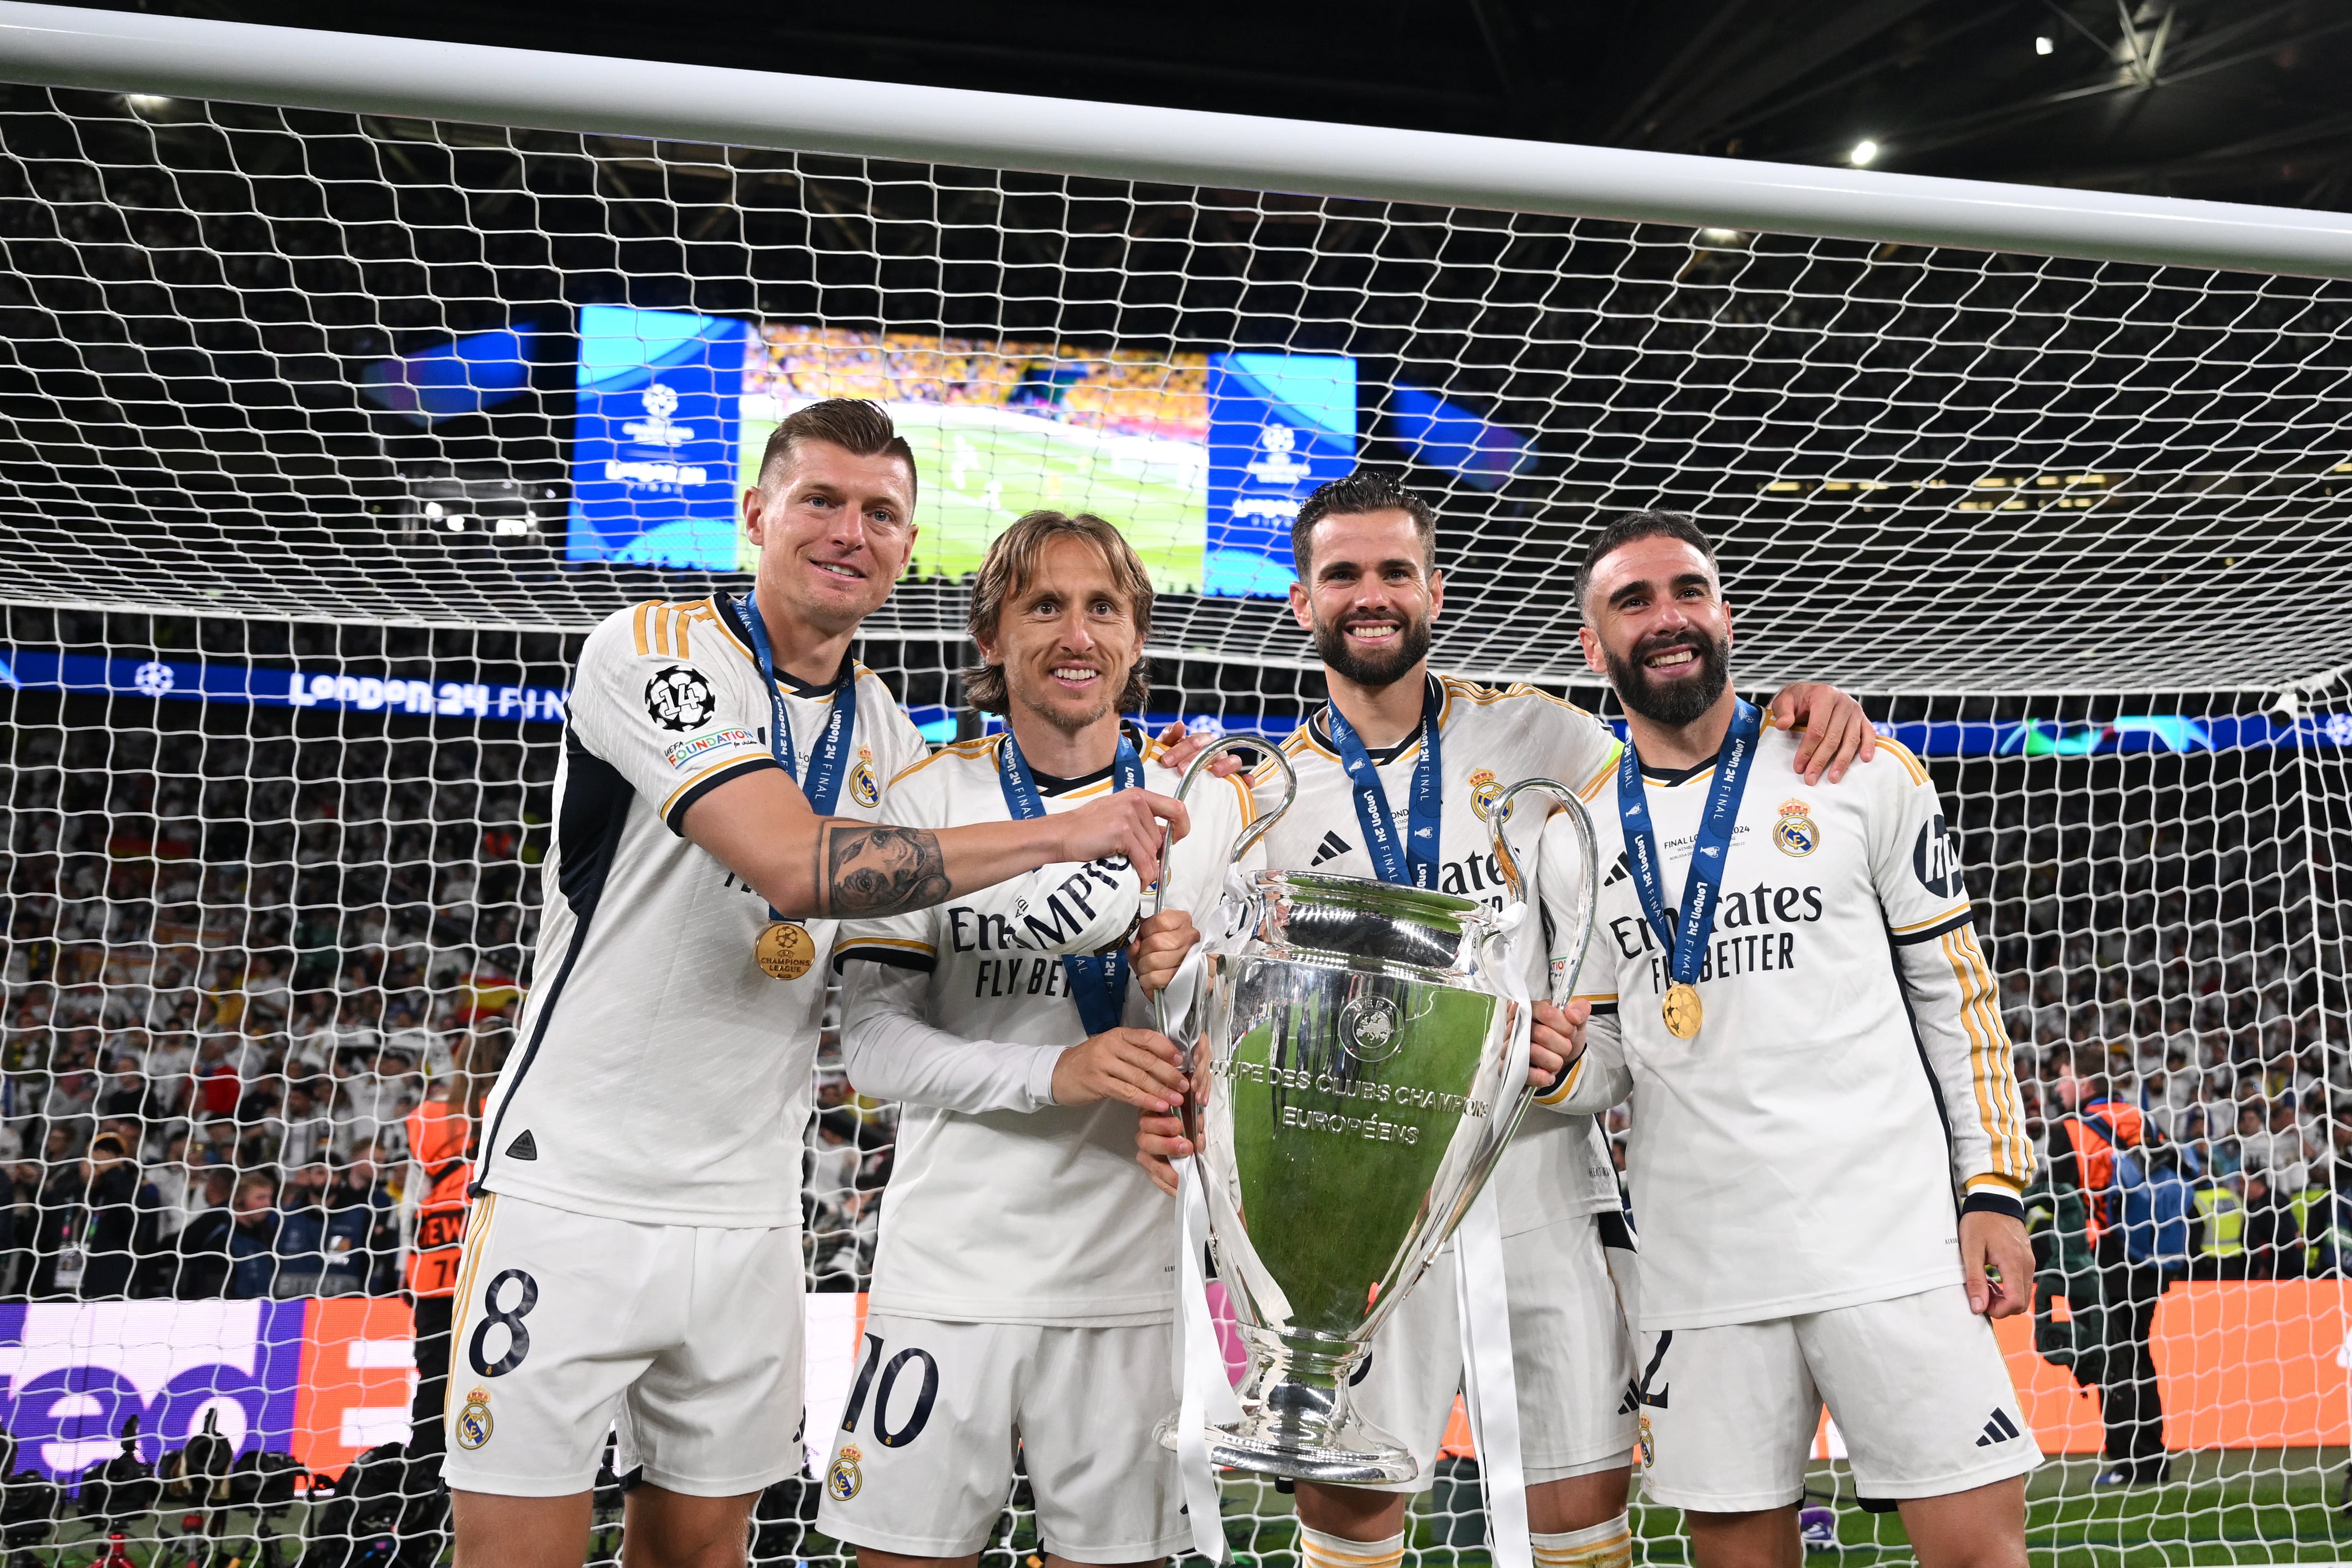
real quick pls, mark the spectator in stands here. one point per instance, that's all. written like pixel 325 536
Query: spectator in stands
pixel 362 1192
pixel 2274 1241
pixel 307 1131
pixel 252 1239
pixel 201 1253
pixel 2271 1142
pixel 19 1227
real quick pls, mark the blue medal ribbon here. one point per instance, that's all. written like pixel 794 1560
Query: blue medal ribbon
pixel 829 758
pixel 1686 933
pixel 1098 981
pixel 1411 860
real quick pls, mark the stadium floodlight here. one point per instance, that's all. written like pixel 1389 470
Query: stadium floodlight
pixel 1865 152
pixel 342 405
pixel 2044 44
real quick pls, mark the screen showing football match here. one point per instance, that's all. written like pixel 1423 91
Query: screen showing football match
pixel 1201 459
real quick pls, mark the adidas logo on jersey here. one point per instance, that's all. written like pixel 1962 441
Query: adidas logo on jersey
pixel 524 1148
pixel 1331 848
pixel 1618 872
pixel 2000 1429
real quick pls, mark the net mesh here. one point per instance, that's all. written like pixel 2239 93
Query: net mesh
pixel 282 737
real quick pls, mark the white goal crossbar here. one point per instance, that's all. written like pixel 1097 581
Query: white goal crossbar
pixel 58 45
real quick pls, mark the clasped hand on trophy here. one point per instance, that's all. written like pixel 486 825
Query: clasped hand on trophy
pixel 1141 1067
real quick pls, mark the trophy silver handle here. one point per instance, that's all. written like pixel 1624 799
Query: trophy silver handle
pixel 1248 840
pixel 1498 815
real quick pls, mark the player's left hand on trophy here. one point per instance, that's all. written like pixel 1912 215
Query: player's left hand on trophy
pixel 1140 1067
pixel 1997 1262
pixel 1161 941
pixel 1837 732
pixel 1184 745
pixel 1555 1040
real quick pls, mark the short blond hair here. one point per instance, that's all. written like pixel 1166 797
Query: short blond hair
pixel 1012 565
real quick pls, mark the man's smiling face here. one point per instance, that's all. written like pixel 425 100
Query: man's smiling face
pixel 1369 595
pixel 833 530
pixel 1657 623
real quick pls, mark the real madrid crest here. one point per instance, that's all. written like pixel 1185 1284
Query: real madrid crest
pixel 1795 834
pixel 1484 791
pixel 863 786
pixel 842 1481
pixel 474 1422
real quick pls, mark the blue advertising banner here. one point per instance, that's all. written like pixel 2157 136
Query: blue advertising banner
pixel 657 421
pixel 1279 425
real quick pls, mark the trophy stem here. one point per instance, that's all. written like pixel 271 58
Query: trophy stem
pixel 1296 1419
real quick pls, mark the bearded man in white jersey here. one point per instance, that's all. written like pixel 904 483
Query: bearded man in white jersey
pixel 1369 590
pixel 633 1258
pixel 1828 1141
pixel 1024 1285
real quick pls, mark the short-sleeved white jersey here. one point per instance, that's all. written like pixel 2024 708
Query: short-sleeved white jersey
pixel 1489 740
pixel 1851 1083
pixel 1034 1213
pixel 659 1074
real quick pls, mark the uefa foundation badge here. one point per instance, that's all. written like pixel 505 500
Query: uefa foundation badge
pixel 474 1422
pixel 842 1481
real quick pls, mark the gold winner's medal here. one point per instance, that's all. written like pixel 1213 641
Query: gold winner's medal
pixel 786 950
pixel 1682 1010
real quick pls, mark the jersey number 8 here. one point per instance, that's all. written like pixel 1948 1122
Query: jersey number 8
pixel 510 1319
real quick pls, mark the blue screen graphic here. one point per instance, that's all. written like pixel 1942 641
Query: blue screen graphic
pixel 654 454
pixel 1279 425
pixel 471 376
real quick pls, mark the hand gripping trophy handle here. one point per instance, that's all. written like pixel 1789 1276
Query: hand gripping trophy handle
pixel 1247 840
pixel 1498 816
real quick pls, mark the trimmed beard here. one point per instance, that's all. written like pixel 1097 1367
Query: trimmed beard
pixel 1680 702
pixel 1375 670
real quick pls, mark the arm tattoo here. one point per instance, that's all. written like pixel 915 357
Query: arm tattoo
pixel 865 870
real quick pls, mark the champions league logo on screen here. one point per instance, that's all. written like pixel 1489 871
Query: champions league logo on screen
pixel 654 445
pixel 1279 425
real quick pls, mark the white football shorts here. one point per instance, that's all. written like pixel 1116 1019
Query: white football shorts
pixel 1571 1355
pixel 922 1463
pixel 685 1341
pixel 1916 1384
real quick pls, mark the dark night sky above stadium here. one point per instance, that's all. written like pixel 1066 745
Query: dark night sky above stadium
pixel 2227 100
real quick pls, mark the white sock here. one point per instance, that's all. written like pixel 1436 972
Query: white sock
pixel 1317 1549
pixel 1608 1544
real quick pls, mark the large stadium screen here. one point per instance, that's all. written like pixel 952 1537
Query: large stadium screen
pixel 1201 459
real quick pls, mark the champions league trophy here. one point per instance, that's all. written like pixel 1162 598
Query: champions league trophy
pixel 1359 1054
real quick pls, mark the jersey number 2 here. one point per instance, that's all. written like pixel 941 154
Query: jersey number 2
pixel 510 1318
pixel 923 1400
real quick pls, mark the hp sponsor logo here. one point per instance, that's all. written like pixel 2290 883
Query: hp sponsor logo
pixel 1935 857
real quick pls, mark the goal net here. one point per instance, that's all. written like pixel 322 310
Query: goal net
pixel 325 438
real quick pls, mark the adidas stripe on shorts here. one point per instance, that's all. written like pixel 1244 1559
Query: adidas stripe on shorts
pixel 1916 1385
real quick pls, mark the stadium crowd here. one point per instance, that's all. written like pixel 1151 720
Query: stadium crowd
pixel 234 965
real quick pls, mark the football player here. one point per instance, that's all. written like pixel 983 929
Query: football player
pixel 1395 779
pixel 634 1253
pixel 1829 1145
pixel 1024 1285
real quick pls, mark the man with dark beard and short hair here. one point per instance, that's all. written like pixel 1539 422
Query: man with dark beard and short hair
pixel 1829 1145
pixel 1436 753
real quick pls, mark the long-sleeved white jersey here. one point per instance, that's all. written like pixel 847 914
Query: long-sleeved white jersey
pixel 1851 1086
pixel 1488 741
pixel 1005 1207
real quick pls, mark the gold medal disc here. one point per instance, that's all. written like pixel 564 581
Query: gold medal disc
pixel 786 950
pixel 1682 1010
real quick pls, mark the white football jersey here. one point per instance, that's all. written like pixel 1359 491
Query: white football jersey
pixel 1850 1084
pixel 1003 1207
pixel 659 1074
pixel 1488 741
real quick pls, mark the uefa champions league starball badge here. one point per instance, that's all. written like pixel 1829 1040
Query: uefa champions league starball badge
pixel 785 950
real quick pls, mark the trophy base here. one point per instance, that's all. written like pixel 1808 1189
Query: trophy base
pixel 1306 1445
pixel 1359 1456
